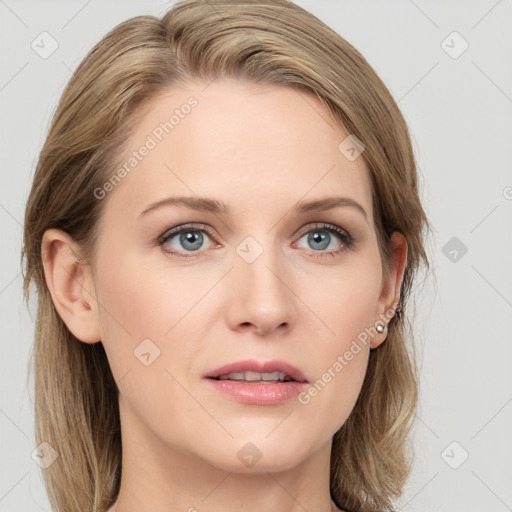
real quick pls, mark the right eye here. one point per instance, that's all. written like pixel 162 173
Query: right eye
pixel 185 239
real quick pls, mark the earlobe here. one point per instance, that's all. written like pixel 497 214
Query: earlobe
pixel 70 285
pixel 391 286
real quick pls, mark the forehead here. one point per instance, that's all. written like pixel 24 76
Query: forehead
pixel 248 145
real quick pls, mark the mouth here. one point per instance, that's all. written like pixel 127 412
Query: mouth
pixel 252 371
pixel 256 377
pixel 252 382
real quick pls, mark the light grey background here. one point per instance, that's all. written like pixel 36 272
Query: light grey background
pixel 459 111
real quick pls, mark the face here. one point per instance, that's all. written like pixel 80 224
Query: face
pixel 262 262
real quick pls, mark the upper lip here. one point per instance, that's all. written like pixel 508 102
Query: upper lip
pixel 252 365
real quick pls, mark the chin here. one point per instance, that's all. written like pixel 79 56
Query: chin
pixel 257 454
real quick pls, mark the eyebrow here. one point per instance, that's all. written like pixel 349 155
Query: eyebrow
pixel 206 204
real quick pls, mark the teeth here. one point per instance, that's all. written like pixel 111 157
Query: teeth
pixel 255 376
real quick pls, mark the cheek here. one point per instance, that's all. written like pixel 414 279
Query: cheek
pixel 144 296
pixel 144 326
pixel 128 310
pixel 146 299
pixel 344 299
pixel 345 302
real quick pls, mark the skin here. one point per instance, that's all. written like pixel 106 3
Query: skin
pixel 261 150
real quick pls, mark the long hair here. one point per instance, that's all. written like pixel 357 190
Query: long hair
pixel 266 42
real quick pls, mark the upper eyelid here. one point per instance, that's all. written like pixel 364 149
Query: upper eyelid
pixel 184 227
pixel 328 226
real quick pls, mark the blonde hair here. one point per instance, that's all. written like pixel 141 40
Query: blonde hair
pixel 266 42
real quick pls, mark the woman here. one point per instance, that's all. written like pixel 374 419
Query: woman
pixel 223 229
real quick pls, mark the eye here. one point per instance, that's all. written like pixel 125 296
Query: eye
pixel 190 240
pixel 326 239
pixel 186 238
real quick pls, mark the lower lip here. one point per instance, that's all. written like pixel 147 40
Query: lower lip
pixel 259 393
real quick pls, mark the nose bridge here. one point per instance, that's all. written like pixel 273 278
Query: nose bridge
pixel 262 296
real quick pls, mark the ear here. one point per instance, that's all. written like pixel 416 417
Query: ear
pixel 70 284
pixel 391 285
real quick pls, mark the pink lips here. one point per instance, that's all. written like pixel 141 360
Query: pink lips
pixel 251 365
pixel 259 392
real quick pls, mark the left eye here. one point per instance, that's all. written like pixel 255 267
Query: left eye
pixel 319 240
pixel 326 238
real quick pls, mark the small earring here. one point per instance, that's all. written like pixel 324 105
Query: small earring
pixel 380 328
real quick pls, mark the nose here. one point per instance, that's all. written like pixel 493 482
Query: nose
pixel 261 296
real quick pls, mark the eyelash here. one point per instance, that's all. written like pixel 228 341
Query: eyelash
pixel 345 238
